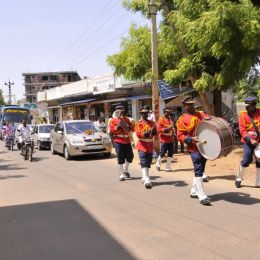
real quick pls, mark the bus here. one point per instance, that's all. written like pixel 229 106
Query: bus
pixel 14 115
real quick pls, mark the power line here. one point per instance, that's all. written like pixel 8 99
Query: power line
pixel 90 36
pixel 102 47
pixel 87 27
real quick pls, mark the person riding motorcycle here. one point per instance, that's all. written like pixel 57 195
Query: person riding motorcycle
pixel 24 133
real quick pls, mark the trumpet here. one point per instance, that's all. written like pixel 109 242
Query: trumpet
pixel 118 113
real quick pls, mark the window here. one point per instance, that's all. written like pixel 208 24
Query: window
pixel 45 78
pixel 69 78
pixel 53 78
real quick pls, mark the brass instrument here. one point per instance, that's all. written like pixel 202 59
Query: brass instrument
pixel 118 113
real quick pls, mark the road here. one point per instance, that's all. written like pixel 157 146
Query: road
pixel 65 210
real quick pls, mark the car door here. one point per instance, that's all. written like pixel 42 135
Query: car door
pixel 59 138
pixel 54 137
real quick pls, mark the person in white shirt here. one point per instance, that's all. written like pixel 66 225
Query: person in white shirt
pixel 100 124
pixel 24 131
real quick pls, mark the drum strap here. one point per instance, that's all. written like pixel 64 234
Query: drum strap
pixel 255 127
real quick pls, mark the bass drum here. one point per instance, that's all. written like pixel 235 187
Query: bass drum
pixel 216 138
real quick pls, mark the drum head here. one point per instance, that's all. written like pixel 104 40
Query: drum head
pixel 212 147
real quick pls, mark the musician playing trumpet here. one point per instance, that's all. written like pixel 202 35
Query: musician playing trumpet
pixel 145 131
pixel 166 130
pixel 186 126
pixel 120 128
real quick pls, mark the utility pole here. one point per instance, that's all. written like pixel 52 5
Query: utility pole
pixel 9 84
pixel 155 74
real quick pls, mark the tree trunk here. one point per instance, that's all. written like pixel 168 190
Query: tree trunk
pixel 185 53
pixel 217 101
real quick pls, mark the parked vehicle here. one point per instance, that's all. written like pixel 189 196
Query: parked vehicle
pixel 79 137
pixel 28 149
pixel 41 135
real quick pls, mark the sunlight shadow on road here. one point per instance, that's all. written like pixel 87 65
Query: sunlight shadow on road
pixel 174 183
pixel 11 167
pixel 59 230
pixel 5 177
pixel 235 197
pixel 231 177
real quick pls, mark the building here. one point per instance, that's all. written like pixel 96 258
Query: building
pixel 98 97
pixel 35 82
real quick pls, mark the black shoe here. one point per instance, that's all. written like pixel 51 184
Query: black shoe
pixel 127 175
pixel 238 184
pixel 205 202
pixel 148 185
pixel 205 179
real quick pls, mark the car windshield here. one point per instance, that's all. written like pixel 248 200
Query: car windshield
pixel 80 128
pixel 45 129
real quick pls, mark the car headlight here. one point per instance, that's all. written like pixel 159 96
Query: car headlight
pixel 77 142
pixel 106 140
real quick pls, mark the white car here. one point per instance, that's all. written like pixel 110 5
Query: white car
pixel 41 135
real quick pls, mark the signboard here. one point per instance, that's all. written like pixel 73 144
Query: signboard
pixel 104 84
pixel 15 110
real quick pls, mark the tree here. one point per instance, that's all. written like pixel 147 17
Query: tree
pixel 2 100
pixel 217 41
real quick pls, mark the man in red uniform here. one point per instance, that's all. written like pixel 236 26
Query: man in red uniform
pixel 249 127
pixel 120 128
pixel 165 128
pixel 186 126
pixel 145 131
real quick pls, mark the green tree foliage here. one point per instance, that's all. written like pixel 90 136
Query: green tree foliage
pixel 220 37
pixel 2 100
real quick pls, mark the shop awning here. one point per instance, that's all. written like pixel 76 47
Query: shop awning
pixel 124 99
pixel 78 102
pixel 167 91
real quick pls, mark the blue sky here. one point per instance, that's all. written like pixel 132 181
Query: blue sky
pixel 53 35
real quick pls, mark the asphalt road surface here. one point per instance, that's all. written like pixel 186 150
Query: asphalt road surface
pixel 65 210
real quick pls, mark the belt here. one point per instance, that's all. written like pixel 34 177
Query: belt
pixel 252 133
pixel 167 134
pixel 122 136
pixel 146 140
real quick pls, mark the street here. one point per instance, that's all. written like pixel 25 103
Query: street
pixel 57 209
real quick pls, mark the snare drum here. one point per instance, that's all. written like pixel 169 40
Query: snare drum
pixel 216 137
pixel 257 152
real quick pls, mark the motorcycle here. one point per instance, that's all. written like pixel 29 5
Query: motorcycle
pixel 28 149
pixel 9 140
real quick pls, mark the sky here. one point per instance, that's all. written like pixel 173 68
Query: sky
pixel 54 35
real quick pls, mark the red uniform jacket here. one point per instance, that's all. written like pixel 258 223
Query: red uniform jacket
pixel 186 127
pixel 246 127
pixel 120 135
pixel 164 135
pixel 145 143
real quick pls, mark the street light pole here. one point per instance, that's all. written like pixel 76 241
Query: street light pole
pixel 155 74
pixel 9 84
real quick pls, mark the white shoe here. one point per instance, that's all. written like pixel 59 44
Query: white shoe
pixel 240 176
pixel 204 200
pixel 168 167
pixel 205 177
pixel 257 180
pixel 193 192
pixel 121 172
pixel 158 163
pixel 147 180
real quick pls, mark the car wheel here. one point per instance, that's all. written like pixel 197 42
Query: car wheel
pixel 39 145
pixel 66 153
pixel 52 149
pixel 107 155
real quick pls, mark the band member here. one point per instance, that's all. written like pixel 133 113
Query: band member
pixel 165 128
pixel 120 128
pixel 145 131
pixel 249 126
pixel 186 126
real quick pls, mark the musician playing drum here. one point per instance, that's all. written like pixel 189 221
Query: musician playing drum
pixel 120 128
pixel 249 125
pixel 145 131
pixel 186 126
pixel 166 130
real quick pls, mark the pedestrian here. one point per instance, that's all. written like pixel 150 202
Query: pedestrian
pixel 186 126
pixel 100 124
pixel 249 126
pixel 120 128
pixel 166 131
pixel 145 130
